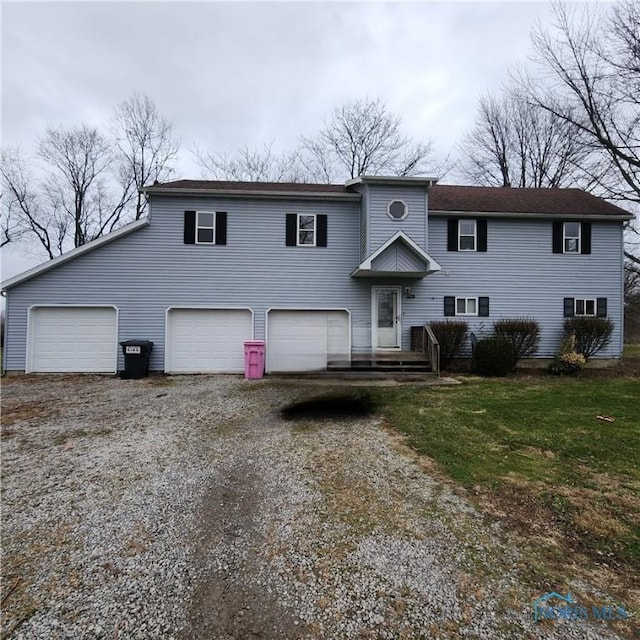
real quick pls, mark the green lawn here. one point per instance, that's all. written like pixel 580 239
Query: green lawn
pixel 537 442
pixel 631 351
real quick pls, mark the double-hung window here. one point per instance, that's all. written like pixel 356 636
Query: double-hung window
pixel 306 228
pixel 571 237
pixel 205 227
pixel 467 235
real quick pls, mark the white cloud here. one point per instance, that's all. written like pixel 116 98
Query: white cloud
pixel 230 74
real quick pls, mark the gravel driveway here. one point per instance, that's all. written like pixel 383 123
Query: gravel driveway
pixel 188 508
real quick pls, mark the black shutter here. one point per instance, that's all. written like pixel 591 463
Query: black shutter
pixel 558 237
pixel 449 306
pixel 452 234
pixel 483 307
pixel 482 235
pixel 601 307
pixel 569 307
pixel 585 237
pixel 189 227
pixel 221 227
pixel 292 229
pixel 321 230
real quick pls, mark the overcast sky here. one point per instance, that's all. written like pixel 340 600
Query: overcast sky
pixel 233 74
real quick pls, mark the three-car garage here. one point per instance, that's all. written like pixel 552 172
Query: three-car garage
pixel 84 339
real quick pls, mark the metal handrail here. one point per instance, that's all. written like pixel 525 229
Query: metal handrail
pixel 432 347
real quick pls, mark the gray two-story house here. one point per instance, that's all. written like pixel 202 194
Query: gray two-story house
pixel 320 272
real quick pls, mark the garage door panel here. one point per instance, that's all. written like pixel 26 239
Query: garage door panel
pixel 208 340
pixel 74 340
pixel 305 340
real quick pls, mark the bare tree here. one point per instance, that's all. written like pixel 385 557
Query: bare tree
pixel 592 61
pixel 23 203
pixel 515 144
pixel 253 165
pixel 146 148
pixel 363 137
pixel 80 160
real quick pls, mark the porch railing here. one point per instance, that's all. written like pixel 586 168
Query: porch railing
pixel 431 346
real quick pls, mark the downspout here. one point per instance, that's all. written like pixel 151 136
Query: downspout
pixel 6 327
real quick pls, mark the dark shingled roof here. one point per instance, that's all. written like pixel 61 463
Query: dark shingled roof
pixel 566 202
pixel 225 185
pixel 444 198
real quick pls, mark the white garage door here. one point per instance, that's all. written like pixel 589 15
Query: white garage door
pixel 207 340
pixel 306 340
pixel 73 340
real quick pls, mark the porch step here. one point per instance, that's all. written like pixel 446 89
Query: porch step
pixel 388 362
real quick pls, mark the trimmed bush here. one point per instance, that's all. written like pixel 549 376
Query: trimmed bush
pixel 493 357
pixel 451 335
pixel 591 334
pixel 522 333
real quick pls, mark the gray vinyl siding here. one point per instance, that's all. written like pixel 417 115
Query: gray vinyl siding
pixel 151 269
pixel 522 277
pixel 364 241
pixel 397 257
pixel 382 227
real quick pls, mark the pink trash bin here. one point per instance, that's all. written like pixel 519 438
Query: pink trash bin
pixel 254 359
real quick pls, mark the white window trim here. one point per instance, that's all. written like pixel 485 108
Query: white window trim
pixel 315 229
pixel 215 214
pixel 406 210
pixel 565 237
pixel 585 300
pixel 467 235
pixel 465 306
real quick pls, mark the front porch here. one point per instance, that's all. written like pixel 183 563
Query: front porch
pixel 385 362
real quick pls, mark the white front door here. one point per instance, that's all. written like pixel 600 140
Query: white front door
pixel 385 317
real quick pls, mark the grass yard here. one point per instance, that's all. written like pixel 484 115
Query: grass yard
pixel 533 451
pixel 631 351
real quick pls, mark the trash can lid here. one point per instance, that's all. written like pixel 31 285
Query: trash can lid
pixel 136 343
pixel 254 343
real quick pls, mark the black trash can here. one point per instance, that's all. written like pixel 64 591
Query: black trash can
pixel 136 358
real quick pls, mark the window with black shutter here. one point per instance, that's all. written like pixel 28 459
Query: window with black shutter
pixel 571 237
pixel 306 230
pixel 205 227
pixel 466 235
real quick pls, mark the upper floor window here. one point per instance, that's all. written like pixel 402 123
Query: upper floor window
pixel 306 230
pixel 467 235
pixel 397 210
pixel 205 227
pixel 571 237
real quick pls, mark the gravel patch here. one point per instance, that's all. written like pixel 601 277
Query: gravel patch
pixel 187 508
